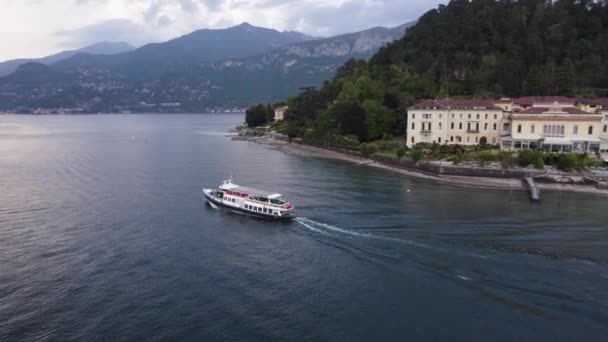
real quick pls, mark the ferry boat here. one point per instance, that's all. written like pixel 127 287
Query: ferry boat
pixel 249 201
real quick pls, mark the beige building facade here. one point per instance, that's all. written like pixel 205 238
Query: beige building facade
pixel 462 122
pixel 279 113
pixel 557 128
pixel 553 123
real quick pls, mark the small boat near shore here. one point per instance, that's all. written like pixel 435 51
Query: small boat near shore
pixel 249 201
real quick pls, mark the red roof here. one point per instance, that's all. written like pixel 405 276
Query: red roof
pixel 500 100
pixel 542 110
pixel 452 104
pixel 600 101
pixel 530 100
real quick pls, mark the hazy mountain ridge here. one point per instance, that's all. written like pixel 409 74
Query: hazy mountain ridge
pixel 101 48
pixel 190 74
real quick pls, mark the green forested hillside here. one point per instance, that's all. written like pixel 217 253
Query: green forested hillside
pixel 468 49
pixel 508 48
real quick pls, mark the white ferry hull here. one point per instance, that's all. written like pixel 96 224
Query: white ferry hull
pixel 219 203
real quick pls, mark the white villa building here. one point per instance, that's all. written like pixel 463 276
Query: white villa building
pixel 463 122
pixel 554 123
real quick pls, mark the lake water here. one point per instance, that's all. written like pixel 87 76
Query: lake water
pixel 104 235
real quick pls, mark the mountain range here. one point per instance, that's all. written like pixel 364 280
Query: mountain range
pixel 101 48
pixel 233 67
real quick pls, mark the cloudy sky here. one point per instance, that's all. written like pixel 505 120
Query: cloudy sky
pixel 34 28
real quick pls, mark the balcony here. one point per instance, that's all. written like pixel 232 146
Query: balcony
pixel 425 132
pixel 472 130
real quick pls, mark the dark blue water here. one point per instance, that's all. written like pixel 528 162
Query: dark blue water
pixel 104 235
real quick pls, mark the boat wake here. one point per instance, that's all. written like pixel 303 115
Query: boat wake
pixel 328 229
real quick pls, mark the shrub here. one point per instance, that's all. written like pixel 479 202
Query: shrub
pixel 506 159
pixel 458 157
pixel 487 157
pixel 386 136
pixel 401 153
pixel 567 162
pixel 417 155
pixel 527 157
pixel 540 163
pixel 368 149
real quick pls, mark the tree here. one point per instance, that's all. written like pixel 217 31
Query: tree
pixel 379 119
pixel 458 157
pixel 269 113
pixel 255 116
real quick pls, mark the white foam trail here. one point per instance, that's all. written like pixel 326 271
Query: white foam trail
pixel 310 227
pixel 461 277
pixel 308 223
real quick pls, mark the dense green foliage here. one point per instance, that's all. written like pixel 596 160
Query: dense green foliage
pixel 469 48
pixel 507 48
pixel 255 116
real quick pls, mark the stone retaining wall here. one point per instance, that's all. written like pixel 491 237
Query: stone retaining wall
pixel 435 169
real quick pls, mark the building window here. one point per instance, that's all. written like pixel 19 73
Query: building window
pixel 487 116
pixel 477 116
pixel 452 138
pixel 575 130
pixel 440 126
pixel 494 141
pixel 553 130
pixel 461 115
pixel 476 140
pixel 495 116
pixel 440 115
pixel 605 128
pixel 413 115
pixel 495 126
pixel 518 128
pixel 590 130
pixel 453 115
pixel 532 129
pixel 485 126
pixel 439 140
pixel 413 126
pixel 452 125
pixel 469 116
pixel 460 125
pixel 468 139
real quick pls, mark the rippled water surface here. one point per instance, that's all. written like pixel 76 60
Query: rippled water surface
pixel 104 235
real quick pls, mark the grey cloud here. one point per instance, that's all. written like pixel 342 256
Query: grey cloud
pixel 212 5
pixel 153 12
pixel 190 6
pixel 357 15
pixel 84 2
pixel 109 30
pixel 164 21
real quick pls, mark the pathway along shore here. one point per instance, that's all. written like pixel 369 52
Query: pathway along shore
pixel 471 182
